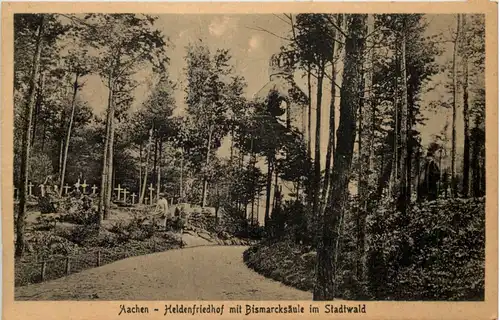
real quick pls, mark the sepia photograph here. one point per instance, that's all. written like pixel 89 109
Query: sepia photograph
pixel 249 157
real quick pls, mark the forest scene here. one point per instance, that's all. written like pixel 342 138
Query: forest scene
pixel 342 155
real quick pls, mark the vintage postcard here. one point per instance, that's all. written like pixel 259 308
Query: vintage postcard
pixel 249 160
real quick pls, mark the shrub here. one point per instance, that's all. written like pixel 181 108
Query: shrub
pixel 435 252
pixel 411 256
pixel 46 223
pixel 78 210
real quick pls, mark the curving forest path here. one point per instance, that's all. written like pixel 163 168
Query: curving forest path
pixel 196 273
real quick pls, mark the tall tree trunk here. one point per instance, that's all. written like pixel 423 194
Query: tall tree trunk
pixel 155 164
pixel 110 182
pixel 140 168
pixel 309 111
pixel 384 178
pixel 403 197
pixel 482 172
pixel 181 177
pixel 158 177
pixel 68 134
pixel 317 146
pixel 61 143
pixel 466 164
pixel 105 167
pixel 145 180
pixel 397 125
pixel 454 116
pixel 251 168
pixel 417 166
pixel 350 97
pixel 25 157
pixel 475 166
pixel 38 106
pixel 276 187
pixel 44 135
pixel 207 162
pixel 440 183
pixel 269 181
pixel 331 136
pixel 231 154
pixel 258 206
pixel 366 134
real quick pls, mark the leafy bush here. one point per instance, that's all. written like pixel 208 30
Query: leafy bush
pixel 48 204
pixel 78 210
pixel 139 228
pixel 44 245
pixel 410 257
pixel 435 252
pixel 46 223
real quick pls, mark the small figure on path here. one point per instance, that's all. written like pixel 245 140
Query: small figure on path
pixel 162 208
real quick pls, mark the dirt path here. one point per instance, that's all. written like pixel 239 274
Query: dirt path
pixel 198 273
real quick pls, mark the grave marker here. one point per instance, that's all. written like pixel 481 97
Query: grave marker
pixel 84 186
pixel 125 191
pixel 66 187
pixel 94 188
pixel 77 185
pixel 30 185
pixel 42 190
pixel 146 200
pixel 119 189
pixel 133 197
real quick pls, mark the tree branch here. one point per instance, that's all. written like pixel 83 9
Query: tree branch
pixel 271 33
pixel 336 26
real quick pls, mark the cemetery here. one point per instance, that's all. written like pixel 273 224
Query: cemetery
pixel 348 160
pixel 63 235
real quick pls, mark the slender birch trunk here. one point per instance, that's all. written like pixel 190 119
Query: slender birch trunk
pixel 454 115
pixel 68 134
pixel 207 162
pixel 145 180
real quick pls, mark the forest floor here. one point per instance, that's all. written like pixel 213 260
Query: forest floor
pixel 198 273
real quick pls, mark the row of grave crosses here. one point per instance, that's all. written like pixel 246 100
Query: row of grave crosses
pixel 124 191
pixel 84 186
pixel 43 187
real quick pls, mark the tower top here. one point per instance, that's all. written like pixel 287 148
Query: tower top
pixel 280 64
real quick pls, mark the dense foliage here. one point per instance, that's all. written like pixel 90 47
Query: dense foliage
pixel 444 255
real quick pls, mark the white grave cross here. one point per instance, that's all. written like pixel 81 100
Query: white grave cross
pixel 30 185
pixel 66 187
pixel 77 185
pixel 94 188
pixel 84 186
pixel 119 189
pixel 133 197
pixel 125 191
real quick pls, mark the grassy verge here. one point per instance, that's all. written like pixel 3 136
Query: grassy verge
pixel 284 261
pixel 81 257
